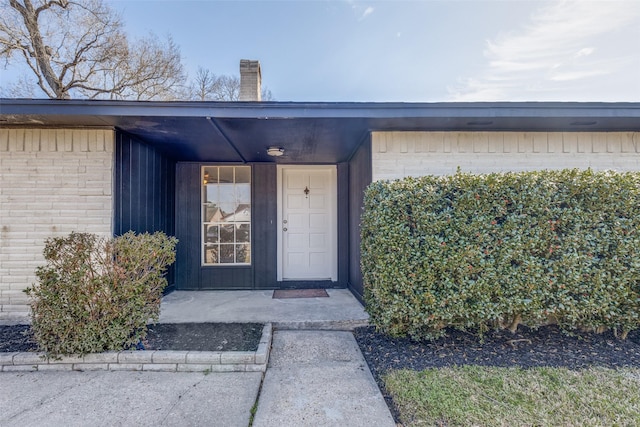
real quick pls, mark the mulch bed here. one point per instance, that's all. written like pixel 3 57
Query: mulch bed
pixel 546 346
pixel 163 336
pixel 16 338
pixel 204 336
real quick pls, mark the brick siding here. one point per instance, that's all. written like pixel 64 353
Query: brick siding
pixel 400 154
pixel 52 182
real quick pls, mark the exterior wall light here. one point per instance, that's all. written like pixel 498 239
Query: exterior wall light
pixel 275 151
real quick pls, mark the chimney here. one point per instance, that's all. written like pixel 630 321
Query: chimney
pixel 250 80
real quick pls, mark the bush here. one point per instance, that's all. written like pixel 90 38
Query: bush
pixel 98 294
pixel 485 251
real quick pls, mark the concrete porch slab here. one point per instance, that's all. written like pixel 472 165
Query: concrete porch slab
pixel 341 311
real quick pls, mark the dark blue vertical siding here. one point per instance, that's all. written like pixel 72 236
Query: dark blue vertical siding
pixel 188 226
pixel 343 224
pixel 144 189
pixel 359 179
pixel 264 225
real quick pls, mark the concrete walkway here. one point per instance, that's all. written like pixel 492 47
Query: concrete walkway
pixel 319 378
pixel 316 374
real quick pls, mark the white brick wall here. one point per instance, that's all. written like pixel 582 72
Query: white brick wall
pixel 399 154
pixel 52 182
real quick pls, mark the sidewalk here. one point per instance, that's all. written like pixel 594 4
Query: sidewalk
pixel 42 399
pixel 316 374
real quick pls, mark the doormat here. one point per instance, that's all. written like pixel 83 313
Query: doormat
pixel 299 293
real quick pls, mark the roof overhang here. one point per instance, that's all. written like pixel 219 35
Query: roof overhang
pixel 309 132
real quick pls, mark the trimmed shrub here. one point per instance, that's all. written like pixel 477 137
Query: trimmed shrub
pixel 492 251
pixel 97 294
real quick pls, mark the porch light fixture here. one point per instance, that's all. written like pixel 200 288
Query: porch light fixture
pixel 275 151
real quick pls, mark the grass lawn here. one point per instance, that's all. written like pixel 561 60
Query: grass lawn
pixel 490 396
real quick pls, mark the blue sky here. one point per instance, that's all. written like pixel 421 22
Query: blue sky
pixel 414 51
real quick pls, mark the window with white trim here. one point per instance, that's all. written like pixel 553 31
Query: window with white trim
pixel 226 215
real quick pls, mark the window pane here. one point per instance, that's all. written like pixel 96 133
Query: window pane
pixel 211 234
pixel 226 214
pixel 243 175
pixel 243 193
pixel 211 254
pixel 226 254
pixel 211 193
pixel 243 254
pixel 226 233
pixel 243 233
pixel 226 174
pixel 210 175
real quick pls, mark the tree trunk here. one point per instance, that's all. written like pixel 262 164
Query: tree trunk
pixel 514 325
pixel 30 16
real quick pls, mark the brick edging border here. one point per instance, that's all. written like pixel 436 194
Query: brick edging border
pixel 143 360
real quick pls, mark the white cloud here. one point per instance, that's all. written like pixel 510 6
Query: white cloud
pixel 368 11
pixel 361 12
pixel 563 43
pixel 585 52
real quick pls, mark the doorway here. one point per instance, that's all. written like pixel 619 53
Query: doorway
pixel 307 223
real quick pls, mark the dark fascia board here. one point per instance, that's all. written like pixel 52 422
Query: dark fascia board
pixel 296 110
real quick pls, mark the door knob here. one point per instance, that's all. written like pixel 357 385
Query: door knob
pixel 284 229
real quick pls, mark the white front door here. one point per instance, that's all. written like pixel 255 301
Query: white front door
pixel 307 239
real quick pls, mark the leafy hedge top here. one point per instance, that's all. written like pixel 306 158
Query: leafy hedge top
pixel 479 251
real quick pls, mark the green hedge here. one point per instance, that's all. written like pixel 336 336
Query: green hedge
pixel 476 252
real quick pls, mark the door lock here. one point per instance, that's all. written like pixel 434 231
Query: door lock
pixel 284 229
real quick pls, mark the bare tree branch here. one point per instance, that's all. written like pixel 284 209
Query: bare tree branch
pixel 79 48
pixel 206 86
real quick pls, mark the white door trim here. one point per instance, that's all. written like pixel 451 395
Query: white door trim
pixel 333 222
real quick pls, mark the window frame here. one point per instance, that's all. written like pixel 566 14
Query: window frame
pixel 204 244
